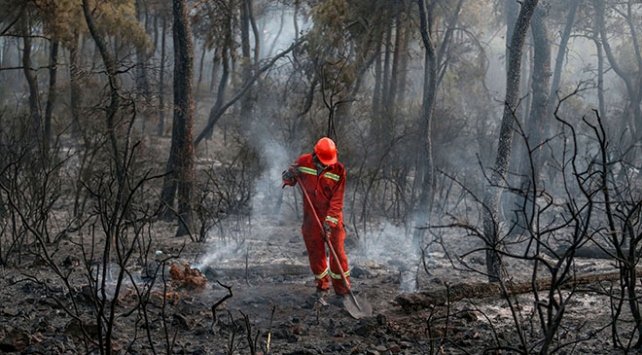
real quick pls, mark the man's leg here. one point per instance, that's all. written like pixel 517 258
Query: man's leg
pixel 337 239
pixel 316 254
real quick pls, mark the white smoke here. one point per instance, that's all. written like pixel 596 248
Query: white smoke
pixel 221 252
pixel 393 248
pixel 267 187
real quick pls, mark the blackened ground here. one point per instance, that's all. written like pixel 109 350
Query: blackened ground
pixel 273 298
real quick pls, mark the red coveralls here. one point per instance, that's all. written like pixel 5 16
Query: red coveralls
pixel 326 190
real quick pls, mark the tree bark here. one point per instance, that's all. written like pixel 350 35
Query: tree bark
pixel 512 11
pixel 201 65
pixel 402 73
pixel 396 58
pixel 561 53
pixel 222 85
pixel 142 81
pixel 530 164
pixel 216 62
pixel 74 86
pixel 627 78
pixel 32 83
pixel 246 100
pixel 600 72
pixel 539 86
pixel 255 31
pixel 425 159
pixel 498 176
pixel 114 86
pixel 161 79
pixel 180 165
pixel 52 94
pixel 387 63
pixel 376 94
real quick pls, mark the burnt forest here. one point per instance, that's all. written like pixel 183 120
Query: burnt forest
pixel 475 165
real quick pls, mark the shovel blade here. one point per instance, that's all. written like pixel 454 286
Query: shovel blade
pixel 357 307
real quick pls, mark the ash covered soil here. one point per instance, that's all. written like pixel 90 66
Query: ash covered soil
pixel 272 308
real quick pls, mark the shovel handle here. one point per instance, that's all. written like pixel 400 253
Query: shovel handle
pixel 327 241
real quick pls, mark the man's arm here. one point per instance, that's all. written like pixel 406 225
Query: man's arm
pixel 289 176
pixel 336 203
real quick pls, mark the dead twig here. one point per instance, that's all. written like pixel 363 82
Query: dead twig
pixel 269 334
pixel 215 305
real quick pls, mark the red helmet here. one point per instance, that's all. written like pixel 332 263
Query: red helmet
pixel 326 151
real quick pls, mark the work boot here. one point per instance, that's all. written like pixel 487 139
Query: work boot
pixel 337 300
pixel 322 296
pixel 318 298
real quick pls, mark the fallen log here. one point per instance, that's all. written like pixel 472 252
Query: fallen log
pixel 456 292
pixel 257 271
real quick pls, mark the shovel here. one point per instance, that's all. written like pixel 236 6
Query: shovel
pixel 357 308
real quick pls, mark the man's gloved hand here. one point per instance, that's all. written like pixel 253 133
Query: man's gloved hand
pixel 289 175
pixel 327 228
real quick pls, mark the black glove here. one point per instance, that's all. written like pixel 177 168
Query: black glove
pixel 327 228
pixel 287 175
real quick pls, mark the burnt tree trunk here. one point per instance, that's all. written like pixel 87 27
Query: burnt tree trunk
pixel 105 318
pixel 402 72
pixel 628 79
pixel 540 88
pixel 74 86
pixel 216 62
pixel 424 157
pixel 557 71
pixel 114 85
pixel 434 59
pixel 255 31
pixel 376 124
pixel 52 94
pixel 214 114
pixel 561 53
pixel 142 81
pixel 161 79
pixel 246 56
pixel 498 175
pixel 600 72
pixel 531 162
pixel 387 61
pixel 512 11
pixel 201 66
pixel 376 95
pixel 180 165
pixel 396 58
pixel 35 127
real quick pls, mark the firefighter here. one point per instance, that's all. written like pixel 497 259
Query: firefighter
pixel 323 177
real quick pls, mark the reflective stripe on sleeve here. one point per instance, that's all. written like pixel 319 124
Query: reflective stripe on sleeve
pixel 332 219
pixel 307 170
pixel 332 176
